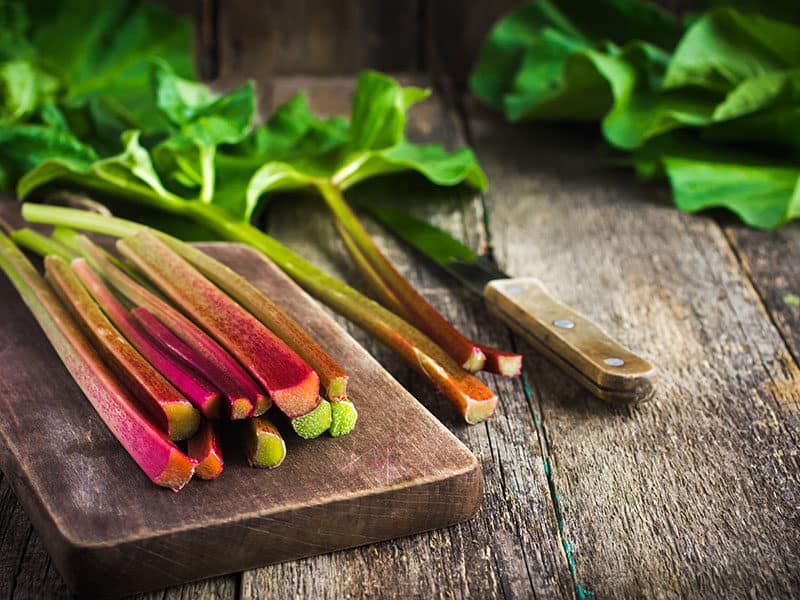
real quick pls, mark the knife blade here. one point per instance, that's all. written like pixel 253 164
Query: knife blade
pixel 580 347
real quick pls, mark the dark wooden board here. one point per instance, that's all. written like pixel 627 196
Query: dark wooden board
pixel 111 532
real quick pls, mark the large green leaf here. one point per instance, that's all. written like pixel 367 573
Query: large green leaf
pixel 129 174
pixel 373 145
pixel 726 47
pixel 199 121
pixel 102 49
pixel 764 196
pixel 731 87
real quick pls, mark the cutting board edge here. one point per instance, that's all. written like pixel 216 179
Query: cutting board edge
pixel 83 567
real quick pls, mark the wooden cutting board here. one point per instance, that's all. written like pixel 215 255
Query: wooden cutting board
pixel 111 532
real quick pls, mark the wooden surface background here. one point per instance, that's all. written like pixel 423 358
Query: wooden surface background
pixel 696 494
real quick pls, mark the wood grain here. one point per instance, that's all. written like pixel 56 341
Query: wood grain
pixel 771 259
pixel 694 494
pixel 111 532
pixel 512 548
pixel 265 39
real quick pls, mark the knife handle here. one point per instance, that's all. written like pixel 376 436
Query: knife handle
pixel 573 342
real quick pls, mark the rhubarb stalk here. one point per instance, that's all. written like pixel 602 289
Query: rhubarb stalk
pixel 315 423
pixel 466 352
pixel 263 443
pixel 195 387
pixel 162 461
pixel 332 376
pixel 227 374
pixel 291 383
pixel 204 447
pixel 468 394
pixel 166 405
pixel 41 244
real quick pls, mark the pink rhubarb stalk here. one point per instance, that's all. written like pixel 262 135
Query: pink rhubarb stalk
pixel 160 459
pixel 466 352
pixel 332 376
pixel 166 405
pixel 204 447
pixel 195 387
pixel 241 392
pixel 292 384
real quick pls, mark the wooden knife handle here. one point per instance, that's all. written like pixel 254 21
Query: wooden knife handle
pixel 571 341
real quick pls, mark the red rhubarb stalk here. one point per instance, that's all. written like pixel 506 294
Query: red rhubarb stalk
pixel 162 461
pixel 195 387
pixel 204 447
pixel 292 384
pixel 499 362
pixel 466 352
pixel 228 375
pixel 331 374
pixel 166 405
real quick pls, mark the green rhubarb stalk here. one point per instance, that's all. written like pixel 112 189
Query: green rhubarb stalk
pixel 224 371
pixel 41 244
pixel 166 405
pixel 468 394
pixel 291 383
pixel 464 351
pixel 315 423
pixel 263 443
pixel 69 238
pixel 162 461
pixel 332 376
pixel 374 280
pixel 343 418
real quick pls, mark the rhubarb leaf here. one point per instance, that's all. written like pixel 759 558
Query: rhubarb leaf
pixel 200 121
pixel 730 78
pixel 374 144
pixel 129 174
pixel 110 56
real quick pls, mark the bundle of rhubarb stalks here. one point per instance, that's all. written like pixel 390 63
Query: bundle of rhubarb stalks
pixel 165 342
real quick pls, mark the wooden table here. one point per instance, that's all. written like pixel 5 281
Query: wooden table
pixel 695 494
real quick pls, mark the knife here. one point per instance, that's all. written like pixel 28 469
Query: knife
pixel 571 341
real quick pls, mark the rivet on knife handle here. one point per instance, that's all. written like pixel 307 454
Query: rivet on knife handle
pixel 573 342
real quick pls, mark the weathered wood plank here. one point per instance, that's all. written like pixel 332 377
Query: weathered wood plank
pixel 261 40
pixel 512 548
pixel 456 34
pixel 772 261
pixel 694 494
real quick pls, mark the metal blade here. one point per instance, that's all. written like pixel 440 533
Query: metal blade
pixel 472 269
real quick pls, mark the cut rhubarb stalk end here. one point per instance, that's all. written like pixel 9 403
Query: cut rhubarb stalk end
pixel 263 443
pixel 162 462
pixel 176 332
pixel 41 244
pixel 166 405
pixel 500 362
pixel 262 405
pixel 331 375
pixel 195 387
pixel 204 447
pixel 343 418
pixel 415 306
pixel 315 423
pixel 291 383
pixel 174 474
